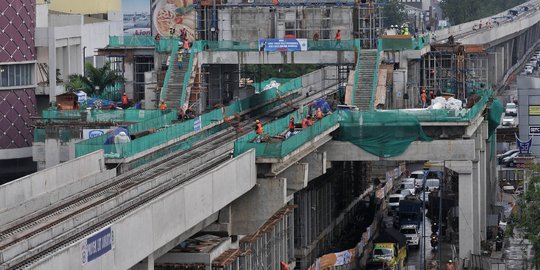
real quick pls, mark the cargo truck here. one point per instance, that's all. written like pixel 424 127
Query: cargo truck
pixel 390 249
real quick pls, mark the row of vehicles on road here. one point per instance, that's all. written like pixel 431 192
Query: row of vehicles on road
pixel 406 207
pixel 533 64
pixel 508 158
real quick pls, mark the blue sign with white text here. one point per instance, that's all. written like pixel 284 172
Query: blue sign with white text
pixel 287 45
pixel 524 146
pixel 97 245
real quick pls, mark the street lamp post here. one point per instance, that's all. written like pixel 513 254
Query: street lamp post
pixel 423 264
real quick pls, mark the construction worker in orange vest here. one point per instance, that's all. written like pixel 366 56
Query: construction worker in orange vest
pixel 305 123
pixel 291 124
pixel 125 100
pixel 259 130
pixel 423 96
pixel 319 114
pixel 163 106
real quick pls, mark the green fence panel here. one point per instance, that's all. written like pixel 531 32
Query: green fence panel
pixel 166 44
pixel 172 59
pixel 404 43
pixel 285 147
pixel 39 135
pixel 374 83
pixel 229 45
pixel 131 41
pixel 331 45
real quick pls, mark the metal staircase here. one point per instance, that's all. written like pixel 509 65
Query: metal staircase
pixel 366 74
pixel 176 83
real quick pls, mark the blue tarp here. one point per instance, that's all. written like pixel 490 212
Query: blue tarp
pixel 91 102
pixel 321 103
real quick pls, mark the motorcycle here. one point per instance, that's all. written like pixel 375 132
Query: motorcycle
pixel 435 227
pixel 434 241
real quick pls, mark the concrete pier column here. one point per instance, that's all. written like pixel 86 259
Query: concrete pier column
pixel 146 264
pixel 469 240
pixel 254 208
pixel 481 137
pixel 317 164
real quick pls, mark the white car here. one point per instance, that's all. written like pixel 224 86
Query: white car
pixel 393 201
pixel 418 178
pixel 432 184
pixel 409 185
pixel 412 234
pixel 508 121
pixel 511 109
pixel 528 70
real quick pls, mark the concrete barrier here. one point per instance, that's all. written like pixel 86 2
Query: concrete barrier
pixel 49 182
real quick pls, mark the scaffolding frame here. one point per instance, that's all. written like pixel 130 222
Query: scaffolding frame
pixel 454 69
pixel 301 21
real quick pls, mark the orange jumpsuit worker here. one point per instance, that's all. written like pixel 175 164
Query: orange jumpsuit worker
pixel 259 130
pixel 125 100
pixel 291 124
pixel 163 106
pixel 305 123
pixel 423 96
pixel 319 114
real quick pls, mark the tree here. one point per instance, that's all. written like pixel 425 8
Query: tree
pixel 527 219
pixel 97 79
pixel 394 13
pixel 76 82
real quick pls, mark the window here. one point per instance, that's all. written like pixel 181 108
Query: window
pixel 16 75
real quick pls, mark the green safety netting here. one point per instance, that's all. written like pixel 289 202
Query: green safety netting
pixel 398 43
pixel 131 41
pixel 172 59
pixel 166 133
pixel 445 115
pixel 494 119
pixel 288 86
pixel 364 130
pixel 284 147
pixel 129 115
pixel 260 85
pixel 333 45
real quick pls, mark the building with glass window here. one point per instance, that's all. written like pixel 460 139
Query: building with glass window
pixel 17 86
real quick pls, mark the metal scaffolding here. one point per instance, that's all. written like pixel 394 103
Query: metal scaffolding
pixel 455 69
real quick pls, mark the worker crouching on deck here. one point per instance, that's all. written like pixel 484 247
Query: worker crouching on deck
pixel 319 114
pixel 291 128
pixel 259 130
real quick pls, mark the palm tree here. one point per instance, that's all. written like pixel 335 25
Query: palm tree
pixel 97 79
pixel 76 82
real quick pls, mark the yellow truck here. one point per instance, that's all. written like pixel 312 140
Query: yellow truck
pixel 390 247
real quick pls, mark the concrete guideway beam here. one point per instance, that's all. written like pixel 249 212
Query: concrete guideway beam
pixel 147 229
pixel 417 151
pixel 255 57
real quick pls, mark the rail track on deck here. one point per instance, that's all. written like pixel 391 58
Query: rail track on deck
pixel 101 205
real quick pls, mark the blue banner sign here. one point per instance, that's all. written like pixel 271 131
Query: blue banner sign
pixel 282 45
pixel 97 245
pixel 524 146
pixel 197 123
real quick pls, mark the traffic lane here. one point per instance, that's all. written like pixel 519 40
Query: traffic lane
pixel 415 258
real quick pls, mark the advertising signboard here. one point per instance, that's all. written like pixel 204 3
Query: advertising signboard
pixel 89 133
pixel 280 45
pixel 170 17
pixel 136 17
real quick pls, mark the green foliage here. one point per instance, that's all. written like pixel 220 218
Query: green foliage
pixel 261 73
pixel 98 79
pixel 394 13
pixel 76 82
pixel 527 219
pixel 461 11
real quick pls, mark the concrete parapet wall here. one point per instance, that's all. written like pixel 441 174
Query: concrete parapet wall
pixel 50 180
pixel 251 57
pixel 141 232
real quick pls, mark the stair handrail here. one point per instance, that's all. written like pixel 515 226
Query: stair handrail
pixel 375 76
pixel 196 47
pixel 356 72
pixel 174 51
